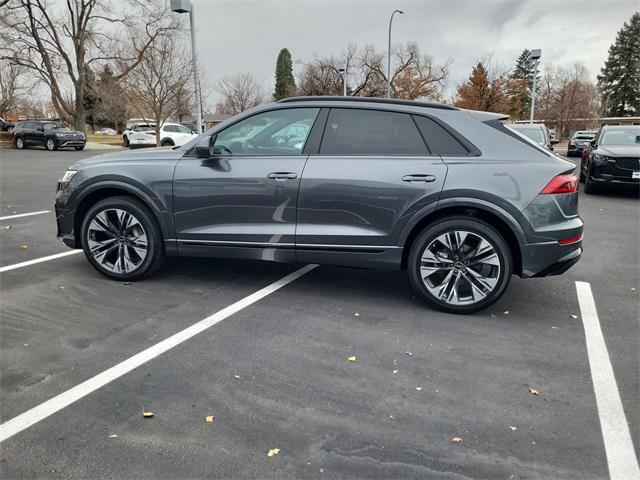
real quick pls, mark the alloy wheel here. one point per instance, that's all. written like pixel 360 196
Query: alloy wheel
pixel 50 144
pixel 117 241
pixel 460 267
pixel 19 143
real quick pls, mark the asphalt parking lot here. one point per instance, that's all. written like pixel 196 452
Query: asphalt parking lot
pixel 389 414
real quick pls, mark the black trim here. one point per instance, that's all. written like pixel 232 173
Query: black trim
pixel 472 150
pixel 501 127
pixel 367 100
pixel 312 145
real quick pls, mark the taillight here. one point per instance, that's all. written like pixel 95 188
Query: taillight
pixel 574 239
pixel 564 183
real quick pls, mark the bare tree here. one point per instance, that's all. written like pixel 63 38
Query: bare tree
pixel 239 93
pixel 14 86
pixel 153 84
pixel 60 45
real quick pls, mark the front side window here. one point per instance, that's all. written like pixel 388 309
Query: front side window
pixel 279 132
pixel 370 132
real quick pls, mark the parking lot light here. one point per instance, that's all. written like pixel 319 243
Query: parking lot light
pixel 185 6
pixel 389 54
pixel 535 55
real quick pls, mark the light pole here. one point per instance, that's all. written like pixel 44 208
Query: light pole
pixel 389 54
pixel 343 69
pixel 535 55
pixel 185 6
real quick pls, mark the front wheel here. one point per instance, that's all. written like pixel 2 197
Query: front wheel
pixel 125 140
pixel 20 144
pixel 50 143
pixel 589 185
pixel 79 148
pixel 460 264
pixel 121 239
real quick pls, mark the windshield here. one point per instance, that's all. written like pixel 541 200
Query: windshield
pixel 623 136
pixel 58 127
pixel 534 134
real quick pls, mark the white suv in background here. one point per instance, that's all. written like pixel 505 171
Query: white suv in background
pixel 171 134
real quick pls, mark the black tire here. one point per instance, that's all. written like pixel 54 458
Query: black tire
pixel 79 148
pixel 589 186
pixel 155 247
pixel 50 144
pixel 581 176
pixel 125 140
pixel 20 143
pixel 167 143
pixel 480 229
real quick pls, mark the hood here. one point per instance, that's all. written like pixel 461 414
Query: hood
pixel 72 132
pixel 619 151
pixel 148 154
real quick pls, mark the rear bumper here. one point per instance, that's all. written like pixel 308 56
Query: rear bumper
pixel 547 259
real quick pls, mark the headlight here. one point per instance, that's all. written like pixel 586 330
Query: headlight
pixel 65 179
pixel 600 158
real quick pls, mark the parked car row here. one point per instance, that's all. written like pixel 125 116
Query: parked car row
pixel 6 126
pixel 538 132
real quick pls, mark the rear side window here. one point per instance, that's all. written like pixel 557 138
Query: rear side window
pixel 438 140
pixel 370 132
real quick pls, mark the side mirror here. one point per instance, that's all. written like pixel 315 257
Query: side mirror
pixel 204 149
pixel 40 128
pixel 594 143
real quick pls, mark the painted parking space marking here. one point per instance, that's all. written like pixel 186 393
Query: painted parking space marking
pixel 621 457
pixel 38 260
pixel 20 215
pixel 57 403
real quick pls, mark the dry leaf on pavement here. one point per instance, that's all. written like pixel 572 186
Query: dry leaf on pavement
pixel 351 358
pixel 456 440
pixel 419 389
pixel 408 354
pixel 24 246
pixel 396 371
pixel 573 316
pixel 513 427
pixel 146 414
pixel 273 452
pixel 236 376
pixel 506 312
pixel 209 418
pixel 113 435
pixel 534 391
pixel 356 314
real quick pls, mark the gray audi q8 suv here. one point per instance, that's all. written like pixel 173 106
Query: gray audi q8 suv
pixel 451 195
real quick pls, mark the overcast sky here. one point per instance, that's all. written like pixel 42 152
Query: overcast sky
pixel 246 35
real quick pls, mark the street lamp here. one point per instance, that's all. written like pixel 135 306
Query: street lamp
pixel 535 55
pixel 185 6
pixel 343 69
pixel 389 54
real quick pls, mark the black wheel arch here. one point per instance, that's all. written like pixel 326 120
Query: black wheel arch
pixel 96 192
pixel 503 222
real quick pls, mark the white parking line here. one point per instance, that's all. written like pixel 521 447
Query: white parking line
pixel 621 456
pixel 38 260
pixel 10 217
pixel 42 411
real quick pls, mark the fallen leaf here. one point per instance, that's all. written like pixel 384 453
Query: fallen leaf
pixel 113 435
pixel 396 371
pixel 456 440
pixel 419 389
pixel 493 316
pixel 573 316
pixel 8 227
pixel 127 283
pixel 513 427
pixel 506 312
pixel 555 328
pixel 24 246
pixel 322 470
pixel 209 418
pixel 273 452
pixel 146 414
pixel 534 391
pixel 351 358
pixel 632 289
pixel 236 376
pixel 356 314
pixel 408 354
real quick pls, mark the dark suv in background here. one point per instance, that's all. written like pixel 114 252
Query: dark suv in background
pixel 578 142
pixel 51 134
pixel 612 157
pixel 451 195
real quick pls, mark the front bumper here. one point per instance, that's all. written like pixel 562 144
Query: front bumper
pixel 65 225
pixel 70 142
pixel 608 171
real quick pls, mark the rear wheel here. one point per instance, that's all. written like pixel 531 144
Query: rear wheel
pixel 125 140
pixel 20 143
pixel 121 239
pixel 167 143
pixel 460 264
pixel 589 185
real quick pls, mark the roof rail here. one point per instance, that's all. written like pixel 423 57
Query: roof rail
pixel 320 98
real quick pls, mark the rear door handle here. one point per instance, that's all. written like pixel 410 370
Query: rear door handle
pixel 419 177
pixel 282 175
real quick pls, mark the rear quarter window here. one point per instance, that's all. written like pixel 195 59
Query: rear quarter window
pixel 438 140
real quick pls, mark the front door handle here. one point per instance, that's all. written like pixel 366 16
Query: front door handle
pixel 282 175
pixel 418 177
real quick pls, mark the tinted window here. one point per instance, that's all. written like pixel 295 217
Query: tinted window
pixel 170 128
pixel 438 139
pixel 279 132
pixel 370 132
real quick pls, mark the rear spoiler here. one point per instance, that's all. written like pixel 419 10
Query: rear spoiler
pixel 486 116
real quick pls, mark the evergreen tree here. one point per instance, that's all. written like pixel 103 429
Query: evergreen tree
pixel 519 87
pixel 285 83
pixel 88 96
pixel 619 79
pixel 111 105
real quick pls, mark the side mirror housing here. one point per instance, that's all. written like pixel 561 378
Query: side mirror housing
pixel 204 148
pixel 554 141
